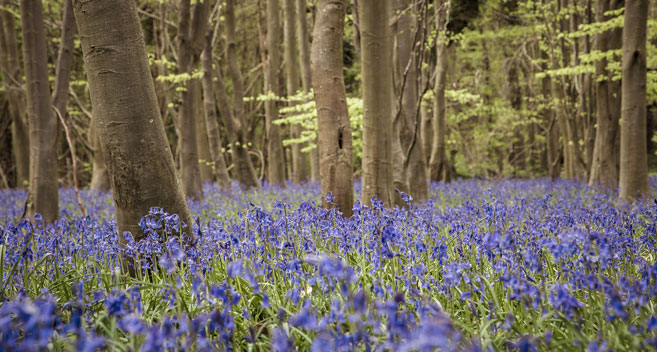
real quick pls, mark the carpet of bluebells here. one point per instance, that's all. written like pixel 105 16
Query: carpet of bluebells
pixel 506 265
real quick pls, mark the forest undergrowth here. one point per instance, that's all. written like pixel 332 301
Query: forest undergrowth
pixel 520 265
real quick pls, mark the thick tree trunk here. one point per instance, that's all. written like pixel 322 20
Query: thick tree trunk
pixel 335 144
pixel 604 168
pixel 633 152
pixel 11 73
pixel 438 164
pixel 275 157
pixel 43 189
pixel 299 160
pixel 211 124
pixel 235 123
pixel 132 137
pixel 376 58
pixel 306 74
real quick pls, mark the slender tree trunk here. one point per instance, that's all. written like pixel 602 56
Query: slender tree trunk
pixel 192 26
pixel 299 159
pixel 43 189
pixel 11 73
pixel 376 58
pixel 604 168
pixel 275 157
pixel 64 60
pixel 202 143
pixel 132 137
pixel 335 144
pixel 633 152
pixel 211 124
pixel 438 164
pixel 235 123
pixel 306 74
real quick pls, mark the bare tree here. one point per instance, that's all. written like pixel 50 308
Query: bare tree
pixel 139 160
pixel 334 138
pixel 634 149
pixel 275 155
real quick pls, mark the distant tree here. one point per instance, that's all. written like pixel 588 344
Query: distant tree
pixel 438 164
pixel 634 150
pixel 11 77
pixel 334 134
pixel 192 25
pixel 275 154
pixel 43 190
pixel 139 161
pixel 376 66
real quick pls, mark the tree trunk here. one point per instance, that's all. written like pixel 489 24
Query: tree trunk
pixel 438 165
pixel 191 30
pixel 211 124
pixel 11 74
pixel 376 58
pixel 235 123
pixel 604 168
pixel 306 74
pixel 202 144
pixel 334 135
pixel 299 159
pixel 43 189
pixel 275 157
pixel 132 137
pixel 64 60
pixel 633 152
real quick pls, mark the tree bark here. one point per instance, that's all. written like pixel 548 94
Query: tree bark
pixel 633 152
pixel 334 134
pixel 299 159
pixel 234 120
pixel 438 164
pixel 211 124
pixel 64 60
pixel 11 73
pixel 306 74
pixel 43 188
pixel 202 143
pixel 139 160
pixel 376 58
pixel 191 29
pixel 99 176
pixel 275 157
pixel 604 168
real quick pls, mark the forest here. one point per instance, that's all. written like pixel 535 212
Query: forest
pixel 328 175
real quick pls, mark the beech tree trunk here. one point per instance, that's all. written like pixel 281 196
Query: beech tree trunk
pixel 64 60
pixel 376 58
pixel 234 120
pixel 210 122
pixel 299 159
pixel 634 150
pixel 43 190
pixel 139 160
pixel 275 157
pixel 604 168
pixel 202 143
pixel 438 164
pixel 11 73
pixel 334 137
pixel 306 74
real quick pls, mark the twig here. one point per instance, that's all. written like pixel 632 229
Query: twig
pixel 75 162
